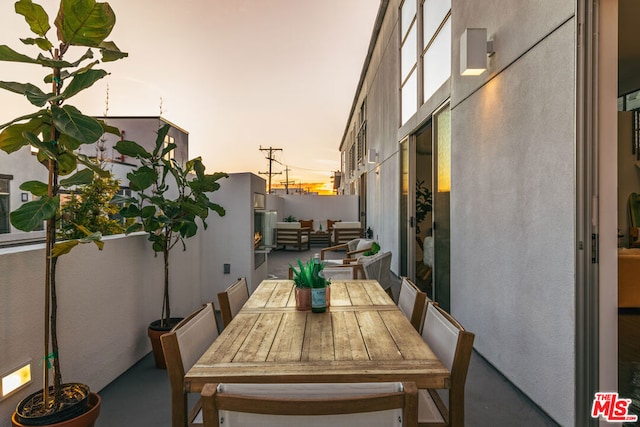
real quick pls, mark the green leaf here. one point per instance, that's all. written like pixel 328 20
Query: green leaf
pixel 83 81
pixel 87 55
pixel 91 165
pixel 36 188
pixel 162 133
pixel 61 248
pixel 35 16
pixel 67 142
pixel 119 199
pixel 30 216
pixel 9 55
pixel 12 138
pixel 167 149
pixel 84 22
pixel 188 229
pixel 33 93
pixel 37 115
pixel 67 163
pixel 107 128
pixel 52 63
pixel 132 149
pixel 82 177
pixel 70 121
pixel 110 52
pixel 142 178
pixel 133 228
pixel 41 42
pixel 217 208
pixel 130 211
pixel 148 211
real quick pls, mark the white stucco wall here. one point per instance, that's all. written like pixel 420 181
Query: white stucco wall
pixel 513 197
pixel 106 301
pixel 320 208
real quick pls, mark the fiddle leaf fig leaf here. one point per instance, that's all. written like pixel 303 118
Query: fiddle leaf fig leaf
pixel 33 93
pixel 69 120
pixel 36 188
pixel 91 165
pixel 35 16
pixel 84 22
pixel 132 149
pixel 110 52
pixel 61 248
pixel 9 55
pixel 12 138
pixel 82 81
pixel 30 216
pixel 142 178
pixel 41 42
pixel 82 177
pixel 67 163
pixel 162 133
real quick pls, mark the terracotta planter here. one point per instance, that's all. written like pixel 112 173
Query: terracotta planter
pixel 155 331
pixel 303 299
pixel 87 419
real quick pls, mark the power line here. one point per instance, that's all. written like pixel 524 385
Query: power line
pixel 271 160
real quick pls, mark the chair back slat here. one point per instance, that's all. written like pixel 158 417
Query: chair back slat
pixel 441 335
pixel 232 299
pixel 196 336
pixel 348 404
pixel 411 302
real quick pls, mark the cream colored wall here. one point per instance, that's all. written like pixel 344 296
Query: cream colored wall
pixel 106 301
pixel 513 196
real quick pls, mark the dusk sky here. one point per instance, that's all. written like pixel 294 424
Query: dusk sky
pixel 235 74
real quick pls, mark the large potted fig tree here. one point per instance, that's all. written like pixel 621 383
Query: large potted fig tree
pixel 56 129
pixel 170 199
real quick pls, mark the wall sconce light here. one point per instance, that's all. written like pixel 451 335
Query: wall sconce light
pixel 372 156
pixel 474 49
pixel 15 379
pixel 24 197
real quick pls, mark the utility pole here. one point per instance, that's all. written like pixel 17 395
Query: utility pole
pixel 286 181
pixel 271 160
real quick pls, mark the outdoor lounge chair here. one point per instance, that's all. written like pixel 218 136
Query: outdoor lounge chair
pixel 293 234
pixel 411 302
pixel 182 347
pixel 310 405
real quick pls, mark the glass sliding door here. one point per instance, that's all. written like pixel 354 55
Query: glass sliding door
pixel 441 207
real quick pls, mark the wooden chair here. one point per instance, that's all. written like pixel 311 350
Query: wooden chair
pixel 232 300
pixel 411 301
pixel 310 405
pixel 344 231
pixel 453 345
pixel 182 347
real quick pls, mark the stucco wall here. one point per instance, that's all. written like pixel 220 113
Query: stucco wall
pixel 513 197
pixel 106 301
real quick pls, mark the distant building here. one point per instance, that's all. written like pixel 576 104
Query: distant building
pixel 20 167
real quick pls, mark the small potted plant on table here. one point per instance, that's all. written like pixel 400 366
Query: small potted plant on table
pixel 312 289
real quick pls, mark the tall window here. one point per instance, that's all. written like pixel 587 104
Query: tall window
pixel 436 45
pixel 171 154
pixel 408 59
pixel 4 205
pixel 362 132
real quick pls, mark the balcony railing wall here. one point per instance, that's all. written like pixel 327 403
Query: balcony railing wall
pixel 106 299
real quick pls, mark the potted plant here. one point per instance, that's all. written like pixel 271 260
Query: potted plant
pixel 169 198
pixel 311 288
pixel 56 130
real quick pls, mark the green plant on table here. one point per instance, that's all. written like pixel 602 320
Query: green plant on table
pixel 57 129
pixel 375 248
pixel 309 275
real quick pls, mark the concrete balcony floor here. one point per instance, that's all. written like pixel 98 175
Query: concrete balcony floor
pixel 141 395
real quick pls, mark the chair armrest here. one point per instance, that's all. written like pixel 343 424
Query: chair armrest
pixel 332 248
pixel 349 254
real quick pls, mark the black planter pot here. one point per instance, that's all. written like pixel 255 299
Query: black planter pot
pixel 155 331
pixel 71 410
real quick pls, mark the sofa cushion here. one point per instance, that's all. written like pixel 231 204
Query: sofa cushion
pixel 306 223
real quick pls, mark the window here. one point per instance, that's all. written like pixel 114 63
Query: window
pixel 171 154
pixel 408 60
pixel 4 204
pixel 362 133
pixel 436 45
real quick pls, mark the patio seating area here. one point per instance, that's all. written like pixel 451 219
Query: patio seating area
pixel 142 395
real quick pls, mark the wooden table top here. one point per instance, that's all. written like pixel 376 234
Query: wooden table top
pixel 362 337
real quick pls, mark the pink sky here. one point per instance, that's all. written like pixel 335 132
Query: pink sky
pixel 236 74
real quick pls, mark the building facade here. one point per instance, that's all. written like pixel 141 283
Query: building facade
pixel 517 176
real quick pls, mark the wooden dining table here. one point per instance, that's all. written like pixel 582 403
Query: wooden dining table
pixel 362 337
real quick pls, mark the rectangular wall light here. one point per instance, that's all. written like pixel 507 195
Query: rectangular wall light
pixel 15 379
pixel 474 49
